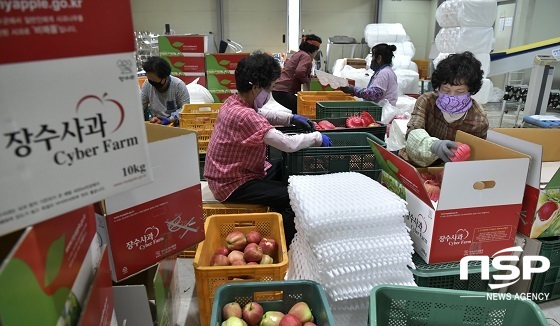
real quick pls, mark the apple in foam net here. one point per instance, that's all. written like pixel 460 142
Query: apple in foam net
pixel 232 309
pixel 253 313
pixel 236 240
pixel 252 253
pixel 253 237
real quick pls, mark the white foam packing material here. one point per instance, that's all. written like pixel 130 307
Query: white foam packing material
pixel 345 200
pixel 484 59
pixel 461 39
pixel 383 33
pixel 350 236
pixel 467 13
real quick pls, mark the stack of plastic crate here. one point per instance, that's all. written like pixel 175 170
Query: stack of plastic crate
pixel 350 237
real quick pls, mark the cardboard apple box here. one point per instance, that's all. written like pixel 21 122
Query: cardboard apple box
pixel 540 214
pixel 221 82
pixel 188 78
pixel 98 307
pixel 223 63
pixel 47 270
pixel 193 64
pixel 479 204
pixel 161 219
pixel 178 45
pixel 70 134
pixel 220 96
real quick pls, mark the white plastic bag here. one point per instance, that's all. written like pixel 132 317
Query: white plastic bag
pixel 199 93
pixel 407 81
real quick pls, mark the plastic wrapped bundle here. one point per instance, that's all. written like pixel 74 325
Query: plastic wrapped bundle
pixel 484 59
pixel 199 93
pixel 467 13
pixel 483 95
pixel 407 81
pixel 403 48
pixel 460 39
pixel 383 33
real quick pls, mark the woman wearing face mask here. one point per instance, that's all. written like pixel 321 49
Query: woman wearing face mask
pixel 297 71
pixel 383 83
pixel 165 94
pixel 438 115
pixel 236 168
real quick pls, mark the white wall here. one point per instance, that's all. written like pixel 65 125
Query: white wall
pixel 417 18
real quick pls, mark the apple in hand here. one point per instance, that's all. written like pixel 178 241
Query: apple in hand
pixel 271 318
pixel 253 313
pixel 232 309
pixel 302 311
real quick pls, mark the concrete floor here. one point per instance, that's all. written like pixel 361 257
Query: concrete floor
pixel 188 315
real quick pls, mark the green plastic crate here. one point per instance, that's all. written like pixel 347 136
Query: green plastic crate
pixel 343 109
pixel 447 275
pixel 378 131
pixel 274 295
pixel 549 281
pixel 350 152
pixel 421 306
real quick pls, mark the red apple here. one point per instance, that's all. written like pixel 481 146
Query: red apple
pixel 266 259
pixel 238 263
pixel 252 252
pixel 271 318
pixel 235 255
pixel 236 240
pixel 253 237
pixel 290 320
pixel 219 260
pixel 223 250
pixel 269 246
pixel 252 263
pixel 309 324
pixel 253 313
pixel 302 311
pixel 232 309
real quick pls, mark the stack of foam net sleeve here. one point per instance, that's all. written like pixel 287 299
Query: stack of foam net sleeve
pixel 351 236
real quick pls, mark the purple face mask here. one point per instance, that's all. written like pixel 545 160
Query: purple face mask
pixel 454 104
pixel 261 99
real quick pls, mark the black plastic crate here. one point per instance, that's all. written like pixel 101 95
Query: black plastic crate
pixel 350 152
pixel 201 160
pixel 344 109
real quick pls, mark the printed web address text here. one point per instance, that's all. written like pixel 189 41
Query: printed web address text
pixel 32 5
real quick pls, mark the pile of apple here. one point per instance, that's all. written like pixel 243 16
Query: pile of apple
pixel 241 249
pixel 253 315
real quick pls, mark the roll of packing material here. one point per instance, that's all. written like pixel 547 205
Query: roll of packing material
pixel 467 13
pixel 460 39
pixel 383 33
pixel 485 91
pixel 484 59
pixel 403 48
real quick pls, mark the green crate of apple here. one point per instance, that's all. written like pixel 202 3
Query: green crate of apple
pixel 253 314
pixel 245 249
pixel 547 220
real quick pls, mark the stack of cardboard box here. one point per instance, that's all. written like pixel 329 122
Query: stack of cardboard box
pixel 220 74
